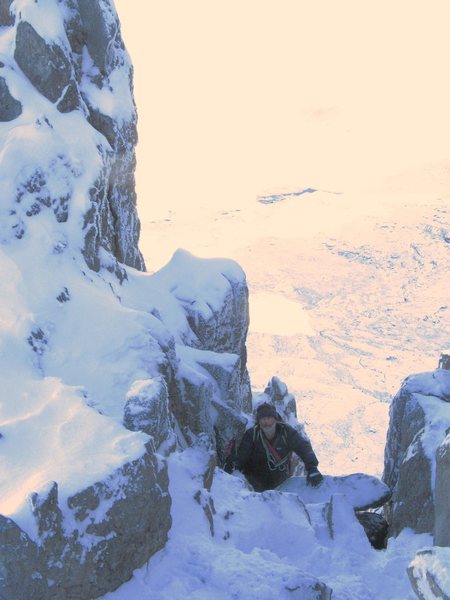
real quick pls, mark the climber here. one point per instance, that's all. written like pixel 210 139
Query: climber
pixel 265 451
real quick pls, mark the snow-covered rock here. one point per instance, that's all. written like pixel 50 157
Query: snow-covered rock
pixel 419 419
pixel 429 573
pixel 361 491
pixel 147 410
pixel 101 362
pixel 90 542
pixel 68 59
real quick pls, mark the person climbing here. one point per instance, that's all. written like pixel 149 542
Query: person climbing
pixel 265 451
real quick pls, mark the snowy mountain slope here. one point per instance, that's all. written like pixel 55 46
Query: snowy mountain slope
pixel 347 298
pixel 89 344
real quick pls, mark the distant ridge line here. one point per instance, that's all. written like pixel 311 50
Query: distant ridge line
pixel 274 198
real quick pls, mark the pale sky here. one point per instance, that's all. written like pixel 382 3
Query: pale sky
pixel 239 97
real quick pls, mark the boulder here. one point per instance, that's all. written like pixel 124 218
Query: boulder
pixel 419 417
pixel 215 302
pixel 442 494
pixel 10 108
pixel 376 528
pixel 92 544
pixel 210 397
pixel 46 65
pixel 429 574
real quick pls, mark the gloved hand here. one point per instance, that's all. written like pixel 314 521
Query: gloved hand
pixel 230 466
pixel 314 477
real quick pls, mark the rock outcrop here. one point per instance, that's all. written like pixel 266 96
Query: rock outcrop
pixel 89 320
pixel 79 68
pixel 419 419
pixel 91 544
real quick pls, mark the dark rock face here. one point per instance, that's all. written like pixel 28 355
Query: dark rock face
pixel 408 474
pixel 376 528
pixel 10 108
pixel 442 494
pixel 46 65
pixel 416 430
pixel 208 399
pixel 21 567
pixel 101 32
pixel 5 16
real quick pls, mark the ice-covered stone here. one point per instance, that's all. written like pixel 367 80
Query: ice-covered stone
pixel 214 296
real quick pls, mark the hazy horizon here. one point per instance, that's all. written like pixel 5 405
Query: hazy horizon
pixel 237 99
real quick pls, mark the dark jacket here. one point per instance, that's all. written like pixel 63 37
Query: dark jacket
pixel 264 470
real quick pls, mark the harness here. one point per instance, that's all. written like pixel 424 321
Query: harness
pixel 274 461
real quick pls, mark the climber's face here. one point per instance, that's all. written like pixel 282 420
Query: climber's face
pixel 267 422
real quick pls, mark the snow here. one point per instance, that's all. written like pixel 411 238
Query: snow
pixel 264 545
pixel 44 425
pixel 45 16
pixel 115 99
pixel 360 491
pixel 286 316
pixel 355 291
